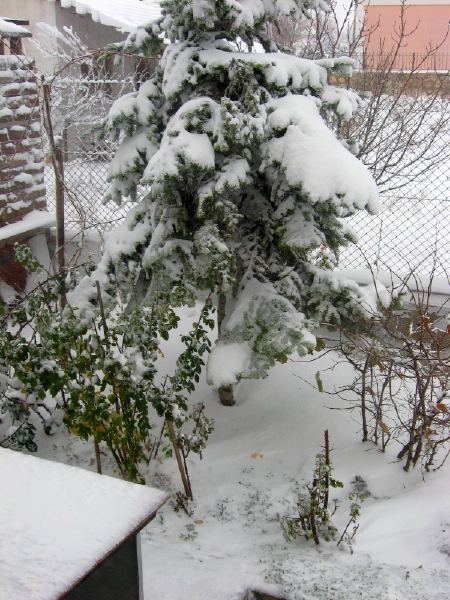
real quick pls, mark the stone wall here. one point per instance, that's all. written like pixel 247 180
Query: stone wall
pixel 22 190
pixel 22 187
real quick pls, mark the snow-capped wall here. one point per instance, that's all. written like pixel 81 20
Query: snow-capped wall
pixel 22 190
pixel 21 165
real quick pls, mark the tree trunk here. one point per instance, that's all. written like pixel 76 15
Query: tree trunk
pixel 98 459
pixel 226 394
pixel 181 466
pixel 221 308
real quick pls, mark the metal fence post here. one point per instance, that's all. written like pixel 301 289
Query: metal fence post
pixel 59 201
pixel 58 167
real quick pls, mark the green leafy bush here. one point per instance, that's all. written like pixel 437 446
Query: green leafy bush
pixel 100 370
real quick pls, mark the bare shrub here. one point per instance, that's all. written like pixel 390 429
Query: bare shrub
pixel 401 363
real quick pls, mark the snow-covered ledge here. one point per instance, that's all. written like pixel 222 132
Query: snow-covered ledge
pixel 10 29
pixel 32 223
pixel 59 524
pixel 125 15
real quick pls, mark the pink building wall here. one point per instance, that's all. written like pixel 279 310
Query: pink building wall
pixel 428 24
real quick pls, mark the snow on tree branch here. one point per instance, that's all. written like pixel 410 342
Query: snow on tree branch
pixel 249 187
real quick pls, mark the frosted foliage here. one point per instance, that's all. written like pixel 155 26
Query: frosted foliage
pixel 239 14
pixel 250 190
pixel 228 362
pixel 312 158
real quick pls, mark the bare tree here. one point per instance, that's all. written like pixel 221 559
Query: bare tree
pixel 403 125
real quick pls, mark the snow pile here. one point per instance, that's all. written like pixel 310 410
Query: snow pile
pixel 58 522
pixel 227 362
pixel 126 15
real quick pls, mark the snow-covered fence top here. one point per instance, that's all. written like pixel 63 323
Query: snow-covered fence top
pixel 12 34
pixel 59 523
pixel 126 15
pixel 12 30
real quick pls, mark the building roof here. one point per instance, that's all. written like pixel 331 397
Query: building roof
pixel 125 15
pixel 59 522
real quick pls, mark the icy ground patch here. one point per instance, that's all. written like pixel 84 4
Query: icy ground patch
pixel 261 451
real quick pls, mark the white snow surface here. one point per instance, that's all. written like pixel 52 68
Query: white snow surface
pixel 126 15
pixel 33 220
pixel 314 159
pixel 12 29
pixel 57 522
pixel 261 451
pixel 227 362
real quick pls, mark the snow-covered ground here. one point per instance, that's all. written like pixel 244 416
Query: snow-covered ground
pixel 261 452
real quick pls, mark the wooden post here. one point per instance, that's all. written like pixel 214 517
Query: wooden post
pixel 58 169
pixel 173 439
pixel 59 197
pixel 327 462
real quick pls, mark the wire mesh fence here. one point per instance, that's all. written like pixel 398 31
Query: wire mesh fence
pixel 85 172
pixel 408 234
pixel 412 230
pixel 77 108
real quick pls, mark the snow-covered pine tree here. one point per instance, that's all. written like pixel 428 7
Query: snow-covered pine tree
pixel 249 187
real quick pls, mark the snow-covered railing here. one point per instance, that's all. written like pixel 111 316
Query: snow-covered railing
pixel 126 15
pixel 12 34
pixel 33 223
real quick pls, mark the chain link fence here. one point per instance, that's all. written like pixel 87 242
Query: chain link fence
pixel 77 109
pixel 85 173
pixel 411 232
pixel 408 234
